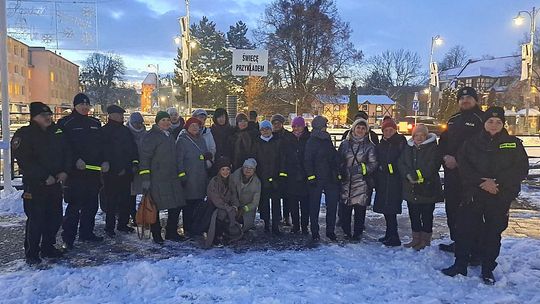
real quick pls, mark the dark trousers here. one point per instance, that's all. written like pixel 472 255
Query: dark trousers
pixel 117 195
pixel 188 214
pixel 44 212
pixel 452 199
pixel 391 226
pixel 492 218
pixel 331 192
pixel 173 215
pixel 421 216
pixel 299 208
pixel 359 218
pixel 81 195
pixel 270 197
pixel 133 207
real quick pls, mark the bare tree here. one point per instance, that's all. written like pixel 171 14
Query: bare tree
pixel 101 73
pixel 455 57
pixel 307 42
pixel 392 70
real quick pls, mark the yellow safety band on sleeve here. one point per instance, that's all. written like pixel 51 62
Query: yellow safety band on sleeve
pixel 59 131
pixel 390 168
pixel 93 168
pixel 283 174
pixel 246 208
pixel 135 161
pixel 339 177
pixel 201 157
pixel 143 172
pixel 312 177
pixel 420 177
pixel 270 179
pixel 364 169
pixel 181 174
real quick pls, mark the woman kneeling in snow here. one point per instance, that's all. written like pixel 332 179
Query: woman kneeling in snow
pixel 223 224
pixel 419 166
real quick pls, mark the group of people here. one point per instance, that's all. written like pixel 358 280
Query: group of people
pixel 219 177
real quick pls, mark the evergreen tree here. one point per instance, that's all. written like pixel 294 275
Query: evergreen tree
pixel 352 108
pixel 449 105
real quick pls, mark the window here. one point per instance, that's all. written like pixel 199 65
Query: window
pixel 29 74
pixel 51 76
pixel 505 81
pixel 16 69
pixel 23 91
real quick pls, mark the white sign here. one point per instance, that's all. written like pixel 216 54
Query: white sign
pixel 250 62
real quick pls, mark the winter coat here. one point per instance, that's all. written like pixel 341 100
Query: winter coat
pixel 461 126
pixel 158 163
pixel 388 185
pixel 247 195
pixel 138 135
pixel 357 160
pixel 321 158
pixel 222 137
pixel 177 128
pixel 120 148
pixel 221 195
pixel 293 163
pixel 40 153
pixel 190 154
pixel 206 134
pixel 267 154
pixel 85 138
pixel 501 157
pixel 421 163
pixel 242 143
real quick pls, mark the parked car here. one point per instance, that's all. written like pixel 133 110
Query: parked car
pixel 406 124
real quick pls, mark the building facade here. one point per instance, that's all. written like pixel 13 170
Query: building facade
pixel 335 108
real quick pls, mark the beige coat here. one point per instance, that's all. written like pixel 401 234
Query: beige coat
pixel 248 196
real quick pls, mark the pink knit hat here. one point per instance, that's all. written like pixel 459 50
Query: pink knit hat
pixel 298 121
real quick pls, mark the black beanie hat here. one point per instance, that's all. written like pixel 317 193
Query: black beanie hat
pixel 80 98
pixel 467 91
pixel 115 109
pixel 218 113
pixel 160 115
pixel 223 162
pixel 361 114
pixel 497 112
pixel 37 108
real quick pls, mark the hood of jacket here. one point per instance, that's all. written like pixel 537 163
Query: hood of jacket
pixel 430 138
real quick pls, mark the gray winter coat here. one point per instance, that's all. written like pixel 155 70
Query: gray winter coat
pixel 136 184
pixel 190 153
pixel 248 196
pixel 354 187
pixel 158 155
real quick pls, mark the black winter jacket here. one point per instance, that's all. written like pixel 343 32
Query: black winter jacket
pixel 321 158
pixel 267 154
pixel 120 148
pixel 293 163
pixel 388 183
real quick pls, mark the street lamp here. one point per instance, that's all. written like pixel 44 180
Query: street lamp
pixel 435 41
pixel 156 66
pixel 519 20
pixel 177 40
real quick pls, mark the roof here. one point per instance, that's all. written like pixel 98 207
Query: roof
pixel 150 79
pixel 362 99
pixel 532 112
pixel 496 67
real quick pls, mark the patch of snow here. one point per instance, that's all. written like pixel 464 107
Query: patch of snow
pixel 531 195
pixel 11 203
pixel 357 273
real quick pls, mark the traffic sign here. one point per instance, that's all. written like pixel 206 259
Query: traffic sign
pixel 415 105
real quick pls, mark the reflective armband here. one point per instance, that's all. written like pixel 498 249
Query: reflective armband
pixel 339 176
pixel 270 179
pixel 390 168
pixel 93 168
pixel 364 169
pixel 143 172
pixel 420 177
pixel 311 177
pixel 283 174
pixel 246 208
pixel 135 161
pixel 181 174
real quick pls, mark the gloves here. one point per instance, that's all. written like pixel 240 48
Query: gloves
pixel 146 185
pixel 80 164
pixel 50 181
pixel 105 167
pixel 61 177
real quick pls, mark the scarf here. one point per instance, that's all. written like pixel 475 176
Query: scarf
pixel 267 139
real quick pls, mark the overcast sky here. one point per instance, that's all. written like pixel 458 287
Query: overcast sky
pixel 142 31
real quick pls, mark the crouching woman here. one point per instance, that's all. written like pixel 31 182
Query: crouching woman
pixel 223 224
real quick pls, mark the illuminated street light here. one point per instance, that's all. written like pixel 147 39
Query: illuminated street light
pixel 435 41
pixel 519 20
pixel 177 40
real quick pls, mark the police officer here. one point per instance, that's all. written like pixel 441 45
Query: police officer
pixel 85 137
pixel 44 160
pixel 492 165
pixel 461 126
pixel 121 151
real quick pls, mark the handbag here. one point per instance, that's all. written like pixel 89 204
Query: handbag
pixel 146 214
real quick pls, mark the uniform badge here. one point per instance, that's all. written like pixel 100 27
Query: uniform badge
pixel 16 142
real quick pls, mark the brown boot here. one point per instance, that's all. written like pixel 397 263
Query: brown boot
pixel 426 238
pixel 416 240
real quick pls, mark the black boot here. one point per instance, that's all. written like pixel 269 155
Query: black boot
pixel 33 261
pixel 488 277
pixel 51 253
pixel 174 236
pixel 91 238
pixel 447 247
pixel 158 239
pixel 110 233
pixel 392 242
pixel 332 236
pixel 454 270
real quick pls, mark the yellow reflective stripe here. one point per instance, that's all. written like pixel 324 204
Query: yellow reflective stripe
pixel 312 177
pixel 143 172
pixel 283 174
pixel 270 179
pixel 246 208
pixel 507 146
pixel 58 131
pixel 181 174
pixel 201 157
pixel 364 169
pixel 93 168
pixel 420 177
pixel 135 161
pixel 339 177
pixel 390 168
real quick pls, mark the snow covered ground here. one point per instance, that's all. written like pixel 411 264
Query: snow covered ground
pixel 355 273
pixel 11 203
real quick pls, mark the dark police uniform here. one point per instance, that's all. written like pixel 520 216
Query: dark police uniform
pixel 461 126
pixel 85 137
pixel 40 154
pixel 503 158
pixel 121 151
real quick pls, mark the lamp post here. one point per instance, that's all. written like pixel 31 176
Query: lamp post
pixel 435 41
pixel 190 45
pixel 6 153
pixel 519 20
pixel 156 66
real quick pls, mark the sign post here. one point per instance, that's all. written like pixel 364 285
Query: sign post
pixel 415 106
